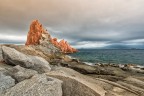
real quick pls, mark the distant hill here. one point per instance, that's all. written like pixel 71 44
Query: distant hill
pixel 124 47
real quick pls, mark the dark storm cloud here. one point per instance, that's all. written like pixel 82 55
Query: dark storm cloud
pixel 83 23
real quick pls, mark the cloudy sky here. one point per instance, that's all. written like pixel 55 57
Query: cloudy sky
pixel 83 23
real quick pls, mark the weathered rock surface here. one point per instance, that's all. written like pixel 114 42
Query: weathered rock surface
pixel 37 34
pixel 46 46
pixel 5 82
pixel 32 50
pixel 14 57
pixel 88 69
pixel 132 68
pixel 112 74
pixel 75 84
pixel 19 73
pixel 134 84
pixel 38 85
pixel 103 69
pixel 135 81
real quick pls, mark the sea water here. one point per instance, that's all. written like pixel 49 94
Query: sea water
pixel 117 56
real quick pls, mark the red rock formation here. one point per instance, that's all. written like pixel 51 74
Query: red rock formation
pixel 55 42
pixel 65 47
pixel 35 33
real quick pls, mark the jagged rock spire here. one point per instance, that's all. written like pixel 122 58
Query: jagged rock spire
pixel 34 33
pixel 35 36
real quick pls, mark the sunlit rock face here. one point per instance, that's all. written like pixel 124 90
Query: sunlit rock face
pixel 37 34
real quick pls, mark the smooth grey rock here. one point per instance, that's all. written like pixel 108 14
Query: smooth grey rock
pixel 19 73
pixel 14 57
pixel 5 82
pixel 38 85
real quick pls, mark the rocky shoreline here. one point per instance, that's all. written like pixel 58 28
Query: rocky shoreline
pixel 64 76
pixel 42 67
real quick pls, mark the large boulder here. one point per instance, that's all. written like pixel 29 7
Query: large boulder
pixel 38 85
pixel 31 50
pixel 14 57
pixel 76 84
pixel 19 73
pixel 5 82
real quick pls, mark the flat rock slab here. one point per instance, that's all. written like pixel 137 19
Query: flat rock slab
pixel 38 85
pixel 14 57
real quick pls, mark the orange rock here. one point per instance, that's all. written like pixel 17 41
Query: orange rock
pixel 55 42
pixel 66 48
pixel 35 34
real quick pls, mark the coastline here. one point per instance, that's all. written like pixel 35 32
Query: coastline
pixel 132 66
pixel 100 79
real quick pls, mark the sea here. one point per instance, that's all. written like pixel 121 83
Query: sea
pixel 114 56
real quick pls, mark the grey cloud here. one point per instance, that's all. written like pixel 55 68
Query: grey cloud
pixel 108 22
